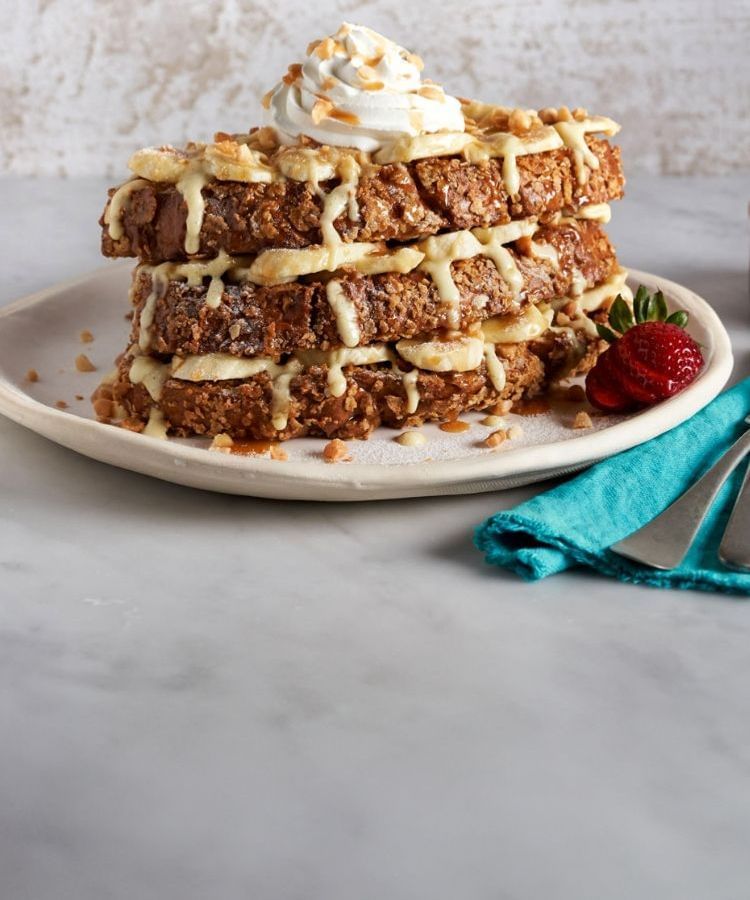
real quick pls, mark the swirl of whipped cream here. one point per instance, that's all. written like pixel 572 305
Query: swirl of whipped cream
pixel 359 89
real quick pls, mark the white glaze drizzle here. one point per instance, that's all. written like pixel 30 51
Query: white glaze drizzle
pixel 578 282
pixel 156 427
pixel 191 187
pixel 495 368
pixel 345 311
pixel 595 212
pixel 150 373
pixel 114 210
pixel 411 439
pixel 442 250
pixel 545 251
pixel 411 387
pixel 594 297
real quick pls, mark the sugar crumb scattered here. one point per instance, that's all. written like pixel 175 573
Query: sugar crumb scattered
pixel 61 404
pixel 32 375
pixel 278 453
pixel 582 420
pixel 86 336
pixel 514 432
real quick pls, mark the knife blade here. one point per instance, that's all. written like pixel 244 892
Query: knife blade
pixel 734 550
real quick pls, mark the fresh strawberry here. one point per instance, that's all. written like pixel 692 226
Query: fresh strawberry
pixel 602 389
pixel 652 358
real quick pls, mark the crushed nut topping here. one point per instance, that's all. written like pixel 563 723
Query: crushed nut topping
pixel 496 439
pixel 223 443
pixel 519 121
pixel 321 110
pixel 84 364
pixel 294 72
pixel 336 451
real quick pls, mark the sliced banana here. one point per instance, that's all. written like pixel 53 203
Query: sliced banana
pixel 225 160
pixel 230 161
pixel 165 164
pixel 461 354
pixel 514 329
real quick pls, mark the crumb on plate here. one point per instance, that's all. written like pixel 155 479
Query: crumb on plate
pixel 84 364
pixel 336 451
pixel 222 443
pixel 496 439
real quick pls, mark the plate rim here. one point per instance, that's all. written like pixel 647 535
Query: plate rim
pixel 259 476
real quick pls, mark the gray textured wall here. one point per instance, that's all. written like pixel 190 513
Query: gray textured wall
pixel 87 81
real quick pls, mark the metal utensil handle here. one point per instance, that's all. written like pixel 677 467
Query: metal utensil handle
pixel 734 550
pixel 664 542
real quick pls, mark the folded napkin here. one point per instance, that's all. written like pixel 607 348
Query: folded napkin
pixel 576 522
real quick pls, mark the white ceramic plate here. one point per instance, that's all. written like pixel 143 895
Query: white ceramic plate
pixel 43 332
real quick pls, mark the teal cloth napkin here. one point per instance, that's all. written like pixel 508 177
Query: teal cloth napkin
pixel 575 523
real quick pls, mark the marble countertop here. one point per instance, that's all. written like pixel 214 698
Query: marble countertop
pixel 211 696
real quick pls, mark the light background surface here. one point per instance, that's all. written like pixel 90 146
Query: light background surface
pixel 85 82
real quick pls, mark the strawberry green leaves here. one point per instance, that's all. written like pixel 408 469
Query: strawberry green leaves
pixel 646 308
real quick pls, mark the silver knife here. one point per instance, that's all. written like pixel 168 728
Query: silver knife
pixel 734 550
pixel 663 542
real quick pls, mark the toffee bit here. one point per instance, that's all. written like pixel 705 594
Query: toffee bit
pixel 84 364
pixel 32 375
pixel 496 439
pixel 582 420
pixel 336 451
pixel 61 404
pixel 222 443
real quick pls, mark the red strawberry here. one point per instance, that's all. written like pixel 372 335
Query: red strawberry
pixel 656 360
pixel 602 389
pixel 653 358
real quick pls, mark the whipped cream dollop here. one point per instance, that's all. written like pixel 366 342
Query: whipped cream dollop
pixel 358 89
